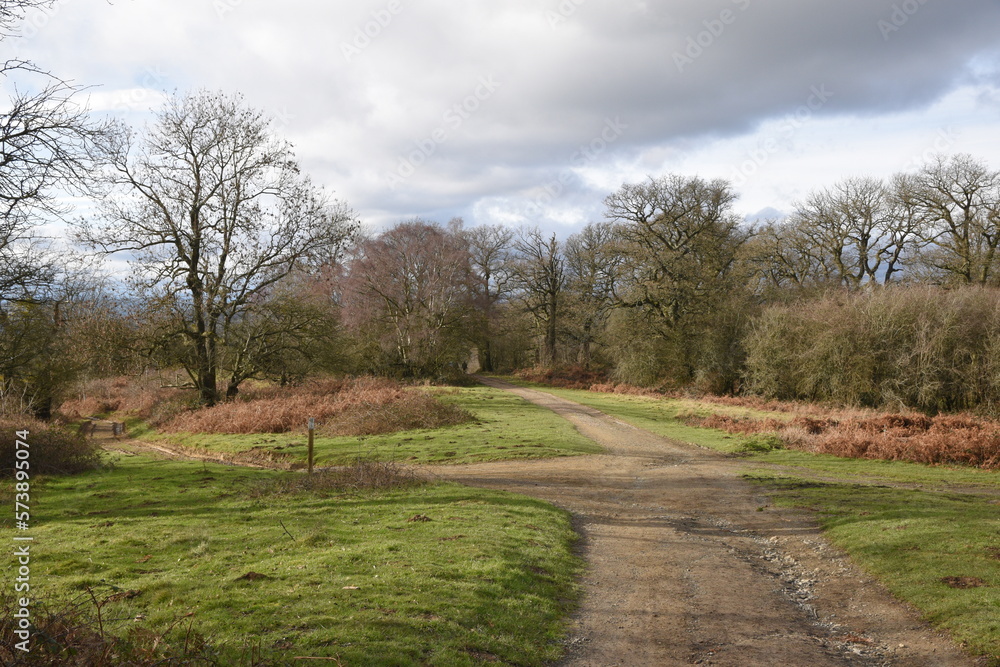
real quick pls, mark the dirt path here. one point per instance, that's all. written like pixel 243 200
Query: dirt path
pixel 687 565
pixel 102 431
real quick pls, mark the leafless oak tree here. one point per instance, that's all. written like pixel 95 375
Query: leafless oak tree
pixel 594 262
pixel 490 252
pixel 958 198
pixel 857 232
pixel 539 270
pixel 215 213
pixel 682 241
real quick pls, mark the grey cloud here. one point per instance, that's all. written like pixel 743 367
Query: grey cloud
pixel 566 67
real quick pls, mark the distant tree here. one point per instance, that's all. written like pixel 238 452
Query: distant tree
pixel 594 264
pixel 408 290
pixel 682 245
pixel 539 271
pixel 958 200
pixel 216 213
pixel 490 253
pixel 682 240
pixel 782 259
pixel 858 232
pixel 46 344
pixel 292 333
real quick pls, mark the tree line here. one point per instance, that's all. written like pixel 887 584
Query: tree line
pixel 242 268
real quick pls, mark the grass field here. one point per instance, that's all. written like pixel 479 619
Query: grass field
pixel 931 533
pixel 437 574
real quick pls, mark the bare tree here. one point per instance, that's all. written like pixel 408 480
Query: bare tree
pixel 540 276
pixel 958 198
pixel 215 213
pixel 490 252
pixel 781 257
pixel 46 152
pixel 593 266
pixel 12 12
pixel 47 142
pixel 858 232
pixel 293 332
pixel 682 241
pixel 408 289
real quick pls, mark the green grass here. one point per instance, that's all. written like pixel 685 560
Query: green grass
pixel 506 427
pixel 491 573
pixel 936 522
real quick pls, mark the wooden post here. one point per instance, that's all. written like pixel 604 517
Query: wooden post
pixel 312 428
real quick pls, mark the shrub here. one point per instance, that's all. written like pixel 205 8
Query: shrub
pixel 923 348
pixel 143 397
pixel 52 450
pixel 565 377
pixel 361 406
pixel 413 410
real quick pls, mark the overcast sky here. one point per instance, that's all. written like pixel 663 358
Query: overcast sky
pixel 532 111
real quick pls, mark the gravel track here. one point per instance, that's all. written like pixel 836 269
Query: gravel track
pixel 688 564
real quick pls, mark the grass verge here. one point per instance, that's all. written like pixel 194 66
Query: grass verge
pixel 435 574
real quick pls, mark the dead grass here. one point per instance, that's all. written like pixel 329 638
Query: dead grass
pixel 564 377
pixel 354 406
pixel 748 402
pixel 78 633
pixel 574 377
pixel 362 475
pixel 943 439
pixel 144 397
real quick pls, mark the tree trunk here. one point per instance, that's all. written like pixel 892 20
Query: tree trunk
pixel 43 411
pixel 207 376
pixel 207 389
pixel 550 332
pixel 585 354
pixel 486 356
